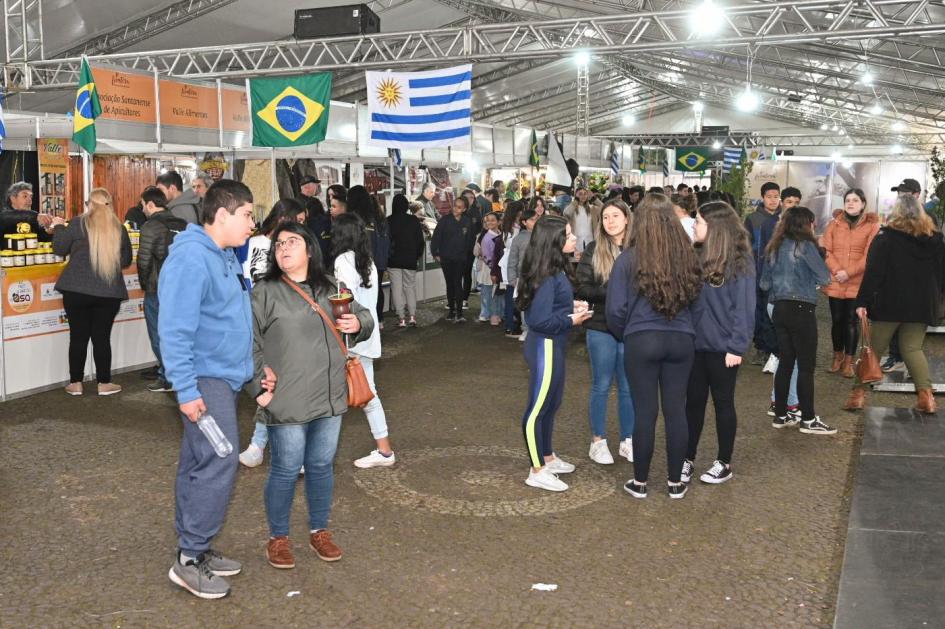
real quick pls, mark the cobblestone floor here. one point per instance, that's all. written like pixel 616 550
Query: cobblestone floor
pixel 451 536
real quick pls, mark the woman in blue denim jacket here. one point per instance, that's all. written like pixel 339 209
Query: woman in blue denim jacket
pixel 793 270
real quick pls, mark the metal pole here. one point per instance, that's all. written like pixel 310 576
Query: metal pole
pixel 272 174
pixel 157 109
pixel 220 109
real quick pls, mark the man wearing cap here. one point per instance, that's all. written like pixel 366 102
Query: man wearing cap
pixel 911 187
pixel 310 188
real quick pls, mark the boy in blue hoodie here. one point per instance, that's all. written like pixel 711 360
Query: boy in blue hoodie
pixel 205 326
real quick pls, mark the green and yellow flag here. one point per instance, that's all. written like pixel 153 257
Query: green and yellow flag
pixel 692 158
pixel 290 111
pixel 533 151
pixel 85 109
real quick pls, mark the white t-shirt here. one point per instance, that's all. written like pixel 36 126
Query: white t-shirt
pixel 257 258
pixel 582 229
pixel 689 224
pixel 347 273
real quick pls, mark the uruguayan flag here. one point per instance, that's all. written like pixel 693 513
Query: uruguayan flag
pixel 420 109
pixel 731 157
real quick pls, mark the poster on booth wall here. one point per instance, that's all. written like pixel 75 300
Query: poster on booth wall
pixel 53 161
pixel 33 307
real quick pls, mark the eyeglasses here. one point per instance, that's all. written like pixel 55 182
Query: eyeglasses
pixel 288 244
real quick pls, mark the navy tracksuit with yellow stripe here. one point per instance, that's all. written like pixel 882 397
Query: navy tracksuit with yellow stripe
pixel 548 323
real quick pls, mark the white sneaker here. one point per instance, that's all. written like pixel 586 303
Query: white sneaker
pixel 543 479
pixel 252 456
pixel 375 459
pixel 626 449
pixel 523 335
pixel 600 453
pixel 771 366
pixel 559 466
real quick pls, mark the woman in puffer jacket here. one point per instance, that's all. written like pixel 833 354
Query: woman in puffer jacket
pixel 846 240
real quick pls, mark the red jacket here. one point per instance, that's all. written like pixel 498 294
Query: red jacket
pixel 846 250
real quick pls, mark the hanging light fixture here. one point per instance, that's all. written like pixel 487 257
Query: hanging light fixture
pixel 707 19
pixel 748 101
pixel 876 109
pixel 628 120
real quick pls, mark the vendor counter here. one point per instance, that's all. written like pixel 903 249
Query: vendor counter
pixel 35 331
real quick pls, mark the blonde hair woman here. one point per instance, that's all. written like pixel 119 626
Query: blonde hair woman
pixel 92 286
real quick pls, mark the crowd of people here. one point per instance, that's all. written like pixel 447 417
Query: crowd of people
pixel 671 286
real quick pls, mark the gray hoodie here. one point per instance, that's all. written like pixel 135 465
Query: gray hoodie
pixel 186 206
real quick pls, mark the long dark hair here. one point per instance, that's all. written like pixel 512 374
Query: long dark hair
pixel 317 277
pixel 363 204
pixel 796 224
pixel 510 216
pixel 726 252
pixel 543 257
pixel 668 273
pixel 348 233
pixel 284 211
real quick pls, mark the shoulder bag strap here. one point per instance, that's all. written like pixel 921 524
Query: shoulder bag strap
pixel 320 311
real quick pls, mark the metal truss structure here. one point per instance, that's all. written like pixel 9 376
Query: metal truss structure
pixel 779 141
pixel 859 68
pixel 23 30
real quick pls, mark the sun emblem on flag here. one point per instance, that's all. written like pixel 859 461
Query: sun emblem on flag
pixel 389 92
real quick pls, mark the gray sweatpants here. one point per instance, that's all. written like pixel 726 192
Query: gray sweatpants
pixel 403 288
pixel 204 480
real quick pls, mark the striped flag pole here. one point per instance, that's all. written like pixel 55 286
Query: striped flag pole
pixel 614 162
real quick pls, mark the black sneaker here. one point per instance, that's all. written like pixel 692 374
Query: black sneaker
pixel 451 317
pixel 686 474
pixel 717 474
pixel 160 386
pixel 677 491
pixel 793 418
pixel 512 334
pixel 635 489
pixel 792 410
pixel 771 412
pixel 892 364
pixel 459 319
pixel 465 305
pixel 816 427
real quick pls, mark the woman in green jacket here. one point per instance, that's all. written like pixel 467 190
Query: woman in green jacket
pixel 304 412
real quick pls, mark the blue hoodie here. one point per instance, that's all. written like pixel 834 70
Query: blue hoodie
pixel 205 322
pixel 728 316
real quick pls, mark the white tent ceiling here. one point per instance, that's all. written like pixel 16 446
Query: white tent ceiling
pixel 802 85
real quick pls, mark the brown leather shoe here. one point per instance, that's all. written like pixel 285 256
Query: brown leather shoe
pixel 857 400
pixel 326 549
pixel 837 361
pixel 846 367
pixel 279 553
pixel 926 402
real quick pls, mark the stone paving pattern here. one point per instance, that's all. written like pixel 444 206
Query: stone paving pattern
pixel 451 536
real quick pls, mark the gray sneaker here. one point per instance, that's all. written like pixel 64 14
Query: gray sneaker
pixel 221 566
pixel 196 577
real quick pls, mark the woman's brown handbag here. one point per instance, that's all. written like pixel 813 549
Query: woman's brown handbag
pixel 359 389
pixel 867 365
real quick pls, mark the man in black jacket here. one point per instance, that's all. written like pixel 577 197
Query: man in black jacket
pixel 157 233
pixel 452 245
pixel 18 208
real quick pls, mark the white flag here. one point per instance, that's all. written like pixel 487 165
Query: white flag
pixel 557 168
pixel 420 109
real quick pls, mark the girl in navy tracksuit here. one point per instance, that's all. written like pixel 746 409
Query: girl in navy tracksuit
pixel 652 304
pixel 547 302
pixel 723 332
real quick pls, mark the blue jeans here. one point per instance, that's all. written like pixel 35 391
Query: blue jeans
pixel 151 322
pixel 792 390
pixel 491 305
pixel 606 354
pixel 260 435
pixel 312 444
pixel 204 480
pixel 509 309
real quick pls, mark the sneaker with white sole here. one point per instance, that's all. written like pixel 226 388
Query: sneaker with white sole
pixel 523 336
pixel 792 410
pixel 559 466
pixel 816 427
pixel 771 365
pixel 196 577
pixel 635 489
pixel 717 474
pixel 543 479
pixel 677 491
pixel 793 418
pixel 252 456
pixel 626 449
pixel 686 474
pixel 74 388
pixel 108 388
pixel 222 566
pixel 375 459
pixel 600 453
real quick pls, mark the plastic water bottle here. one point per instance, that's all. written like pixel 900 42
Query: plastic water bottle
pixel 208 426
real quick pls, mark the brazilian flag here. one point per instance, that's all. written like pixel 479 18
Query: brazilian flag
pixel 290 111
pixel 85 109
pixel 533 159
pixel 692 158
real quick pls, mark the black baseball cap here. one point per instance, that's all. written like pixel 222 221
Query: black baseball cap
pixel 309 179
pixel 474 187
pixel 908 185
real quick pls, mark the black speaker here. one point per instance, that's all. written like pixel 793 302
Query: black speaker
pixel 352 19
